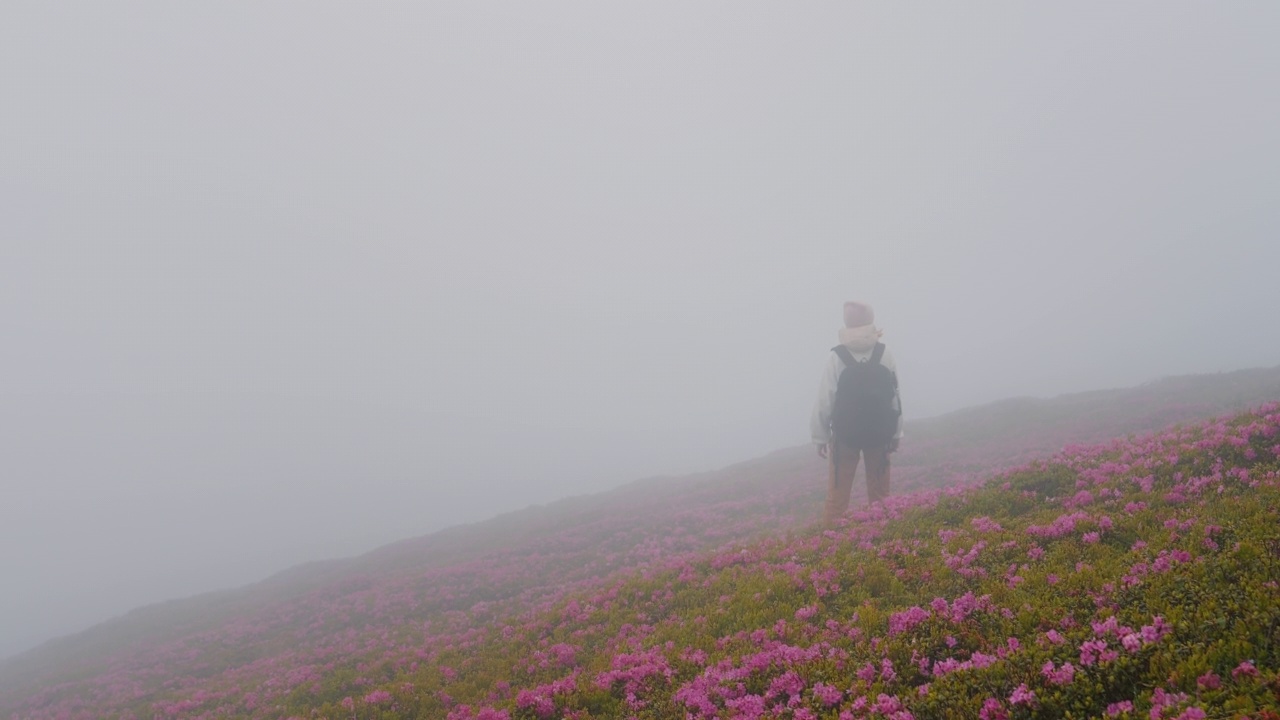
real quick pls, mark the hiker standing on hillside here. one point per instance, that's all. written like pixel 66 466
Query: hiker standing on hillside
pixel 859 411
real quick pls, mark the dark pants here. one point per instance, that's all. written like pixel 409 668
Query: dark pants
pixel 844 464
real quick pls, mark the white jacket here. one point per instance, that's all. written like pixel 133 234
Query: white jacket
pixel 860 344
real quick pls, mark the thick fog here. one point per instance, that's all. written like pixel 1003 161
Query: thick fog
pixel 287 281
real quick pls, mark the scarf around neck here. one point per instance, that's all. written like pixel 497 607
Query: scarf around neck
pixel 860 339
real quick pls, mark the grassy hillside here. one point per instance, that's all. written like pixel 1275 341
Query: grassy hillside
pixel 619 604
pixel 1137 578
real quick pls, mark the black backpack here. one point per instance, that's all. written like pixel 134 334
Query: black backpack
pixel 863 415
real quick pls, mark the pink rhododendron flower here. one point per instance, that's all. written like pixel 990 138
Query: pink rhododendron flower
pixel 1245 669
pixel 981 660
pixel 901 622
pixel 1161 701
pixel 985 524
pixel 887 704
pixel 1059 676
pixel 1089 651
pixel 1021 695
pixel 827 694
pixel 993 709
pixel 789 683
pixel 1119 708
pixel 747 706
pixel 539 703
pixel 1156 630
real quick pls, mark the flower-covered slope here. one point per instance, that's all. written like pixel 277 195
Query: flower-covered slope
pixel 1133 578
pixel 1138 578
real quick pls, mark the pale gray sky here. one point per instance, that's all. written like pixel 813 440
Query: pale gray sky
pixel 621 234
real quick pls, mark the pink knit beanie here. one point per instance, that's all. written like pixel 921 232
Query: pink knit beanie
pixel 857 314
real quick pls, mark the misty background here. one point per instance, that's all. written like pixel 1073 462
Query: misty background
pixel 285 281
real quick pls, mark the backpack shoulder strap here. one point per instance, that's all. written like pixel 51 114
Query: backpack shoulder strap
pixel 844 354
pixel 877 353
